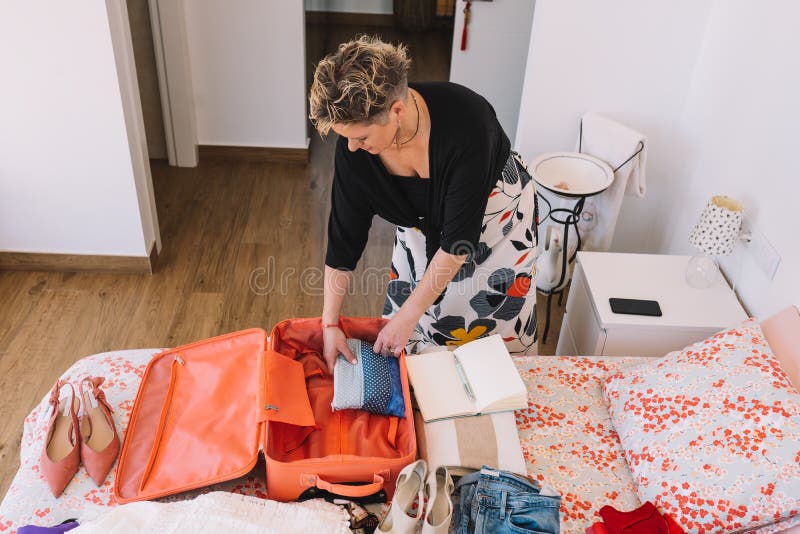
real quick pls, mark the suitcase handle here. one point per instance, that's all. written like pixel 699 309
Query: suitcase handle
pixel 347 490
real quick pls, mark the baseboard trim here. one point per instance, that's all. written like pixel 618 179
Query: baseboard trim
pixel 340 18
pixel 35 261
pixel 253 153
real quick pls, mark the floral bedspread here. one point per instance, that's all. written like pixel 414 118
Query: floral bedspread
pixel 566 436
pixel 569 442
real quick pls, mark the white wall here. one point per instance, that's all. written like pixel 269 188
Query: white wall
pixel 382 7
pixel 248 72
pixel 713 84
pixel 740 130
pixel 497 48
pixel 633 62
pixel 67 182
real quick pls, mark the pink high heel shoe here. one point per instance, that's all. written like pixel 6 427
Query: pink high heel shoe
pixel 100 441
pixel 61 454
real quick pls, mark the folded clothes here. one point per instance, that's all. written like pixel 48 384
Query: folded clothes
pixel 491 501
pixel 373 383
pixel 465 444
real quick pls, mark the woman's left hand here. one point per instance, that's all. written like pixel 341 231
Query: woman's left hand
pixel 393 337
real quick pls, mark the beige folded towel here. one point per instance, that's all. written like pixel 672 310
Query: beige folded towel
pixel 464 444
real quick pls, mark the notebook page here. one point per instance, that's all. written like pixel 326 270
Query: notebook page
pixel 492 374
pixel 438 390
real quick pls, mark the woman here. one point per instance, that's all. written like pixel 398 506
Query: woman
pixel 433 159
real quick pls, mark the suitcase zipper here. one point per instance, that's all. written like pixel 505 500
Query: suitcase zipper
pixel 173 378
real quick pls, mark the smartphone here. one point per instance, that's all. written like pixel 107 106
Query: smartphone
pixel 635 307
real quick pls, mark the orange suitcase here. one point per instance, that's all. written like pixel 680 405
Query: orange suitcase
pixel 205 411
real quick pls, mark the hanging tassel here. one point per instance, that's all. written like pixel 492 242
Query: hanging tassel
pixel 467 14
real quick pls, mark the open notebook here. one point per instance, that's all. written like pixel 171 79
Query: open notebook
pixel 489 372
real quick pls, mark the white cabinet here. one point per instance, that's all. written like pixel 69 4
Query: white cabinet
pixel 688 314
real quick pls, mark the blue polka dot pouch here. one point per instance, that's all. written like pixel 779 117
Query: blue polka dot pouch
pixel 372 383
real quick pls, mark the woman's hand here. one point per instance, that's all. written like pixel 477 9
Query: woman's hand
pixel 393 337
pixel 334 342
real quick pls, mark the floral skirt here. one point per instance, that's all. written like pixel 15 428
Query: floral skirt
pixel 494 291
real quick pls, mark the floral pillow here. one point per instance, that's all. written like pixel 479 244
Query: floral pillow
pixel 711 433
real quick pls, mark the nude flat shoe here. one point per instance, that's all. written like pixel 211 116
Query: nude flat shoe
pixel 100 445
pixel 410 484
pixel 61 454
pixel 439 512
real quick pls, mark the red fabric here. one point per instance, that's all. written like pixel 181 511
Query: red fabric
pixel 597 528
pixel 466 23
pixel 643 520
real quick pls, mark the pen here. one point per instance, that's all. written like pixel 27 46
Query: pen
pixel 463 377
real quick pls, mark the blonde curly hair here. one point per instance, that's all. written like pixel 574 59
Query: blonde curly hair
pixel 358 83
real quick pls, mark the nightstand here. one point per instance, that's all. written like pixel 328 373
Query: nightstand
pixel 689 314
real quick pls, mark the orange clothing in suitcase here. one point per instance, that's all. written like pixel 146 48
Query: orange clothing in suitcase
pixel 206 410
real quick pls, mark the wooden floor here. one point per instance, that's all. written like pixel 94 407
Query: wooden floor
pixel 243 247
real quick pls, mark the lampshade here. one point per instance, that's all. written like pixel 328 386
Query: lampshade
pixel 718 228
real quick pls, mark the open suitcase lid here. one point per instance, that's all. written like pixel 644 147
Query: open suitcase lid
pixel 197 419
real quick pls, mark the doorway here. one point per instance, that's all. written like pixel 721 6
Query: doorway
pixel 425 27
pixel 147 77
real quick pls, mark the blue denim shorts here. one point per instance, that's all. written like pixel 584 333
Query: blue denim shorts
pixel 494 501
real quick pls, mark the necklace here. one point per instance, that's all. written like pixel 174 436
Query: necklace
pixel 415 129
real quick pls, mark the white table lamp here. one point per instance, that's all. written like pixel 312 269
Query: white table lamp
pixel 715 234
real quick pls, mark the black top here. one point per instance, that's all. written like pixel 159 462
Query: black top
pixel 466 154
pixel 415 192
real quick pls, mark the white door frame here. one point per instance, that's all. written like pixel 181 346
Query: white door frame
pixel 171 45
pixel 122 45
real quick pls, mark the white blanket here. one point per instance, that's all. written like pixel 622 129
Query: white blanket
pixel 217 512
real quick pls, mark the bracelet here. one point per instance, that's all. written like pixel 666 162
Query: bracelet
pixel 330 325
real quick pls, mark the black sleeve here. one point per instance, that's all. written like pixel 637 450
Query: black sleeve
pixel 468 187
pixel 350 217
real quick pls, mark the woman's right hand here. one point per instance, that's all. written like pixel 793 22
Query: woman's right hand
pixel 335 342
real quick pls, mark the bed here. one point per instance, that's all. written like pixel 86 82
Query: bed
pixel 566 434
